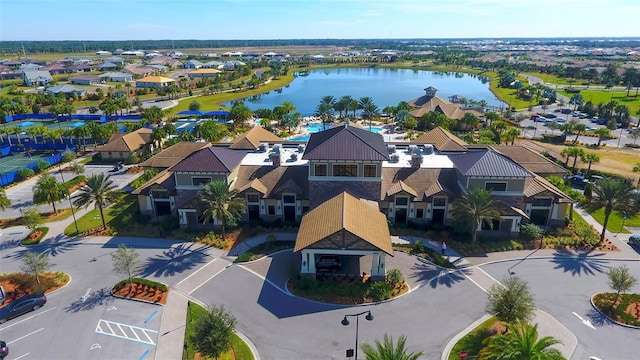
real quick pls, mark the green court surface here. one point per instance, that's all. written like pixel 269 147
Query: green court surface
pixel 18 161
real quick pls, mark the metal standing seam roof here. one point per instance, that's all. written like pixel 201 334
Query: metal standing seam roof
pixel 164 179
pixel 251 139
pixel 346 143
pixel 210 159
pixel 442 140
pixel 488 164
pixel 347 212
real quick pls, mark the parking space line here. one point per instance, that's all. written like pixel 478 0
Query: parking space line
pixel 124 334
pixel 195 272
pixel 22 337
pixel 28 318
pixel 21 356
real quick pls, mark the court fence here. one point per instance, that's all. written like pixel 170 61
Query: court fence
pixel 10 177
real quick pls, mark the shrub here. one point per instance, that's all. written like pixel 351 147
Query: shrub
pixel 41 166
pixel 395 278
pixel 133 158
pixel 141 281
pixel 68 155
pixel 25 173
pixel 96 157
pixel 417 247
pixel 169 223
pixel 379 291
pixel 142 218
pixel 531 231
pixel 32 241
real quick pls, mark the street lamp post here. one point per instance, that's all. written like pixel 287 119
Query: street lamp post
pixel 345 322
pixel 73 213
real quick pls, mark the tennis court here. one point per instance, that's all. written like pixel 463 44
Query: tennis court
pixel 19 161
pixel 63 125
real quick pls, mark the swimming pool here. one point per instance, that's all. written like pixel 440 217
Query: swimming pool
pixel 314 128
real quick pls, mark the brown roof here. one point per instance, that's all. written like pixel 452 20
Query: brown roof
pixel 163 179
pixel 273 180
pixel 361 218
pixel 251 139
pixel 173 154
pixel 488 163
pixel 530 159
pixel 128 142
pixel 426 104
pixel 346 143
pixel 422 183
pixel 442 140
pixel 210 159
pixel 540 186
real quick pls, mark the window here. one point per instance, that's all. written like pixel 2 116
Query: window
pixel 419 213
pixel 439 201
pixel 320 170
pixel 402 201
pixel 370 171
pixel 495 223
pixel 271 209
pixel 252 198
pixel 345 170
pixel 495 186
pixel 110 155
pixel 159 194
pixel 546 202
pixel 289 199
pixel 200 180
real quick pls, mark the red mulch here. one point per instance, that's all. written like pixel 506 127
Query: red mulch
pixel 142 292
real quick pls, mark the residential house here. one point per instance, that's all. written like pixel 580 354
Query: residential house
pixel 114 60
pixel 192 64
pixel 30 67
pixel 37 78
pixel 86 79
pixel 232 65
pixel 117 77
pixel 154 82
pixel 56 68
pixel 67 90
pixel 82 66
pixel 166 61
pixel 140 70
pixel 430 102
pixel 251 139
pixel 121 146
pixel 203 73
pixel 107 66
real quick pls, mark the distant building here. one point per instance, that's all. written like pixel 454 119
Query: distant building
pixel 85 79
pixel 154 82
pixel 67 90
pixel 37 78
pixel 117 77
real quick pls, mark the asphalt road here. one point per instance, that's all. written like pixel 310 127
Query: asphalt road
pixel 563 288
pixel 82 320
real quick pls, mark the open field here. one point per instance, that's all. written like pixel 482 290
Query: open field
pixel 604 96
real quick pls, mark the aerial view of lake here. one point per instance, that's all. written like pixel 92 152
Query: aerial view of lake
pixel 387 87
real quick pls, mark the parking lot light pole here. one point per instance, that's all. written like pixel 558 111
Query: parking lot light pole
pixel 73 213
pixel 345 322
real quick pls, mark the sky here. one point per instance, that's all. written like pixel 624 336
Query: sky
pixel 314 19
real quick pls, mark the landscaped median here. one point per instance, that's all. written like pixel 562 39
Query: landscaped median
pixel 18 284
pixel 142 289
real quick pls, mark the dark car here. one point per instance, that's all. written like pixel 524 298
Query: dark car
pixel 328 263
pixel 22 305
pixel 578 181
pixel 635 240
pixel 4 349
pixel 550 116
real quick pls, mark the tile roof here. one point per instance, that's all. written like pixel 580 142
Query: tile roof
pixel 488 163
pixel 540 186
pixel 173 154
pixel 210 159
pixel 361 218
pixel 272 181
pixel 250 140
pixel 346 143
pixel 156 79
pixel 530 159
pixel 164 179
pixel 442 140
pixel 128 142
pixel 426 104
pixel 425 182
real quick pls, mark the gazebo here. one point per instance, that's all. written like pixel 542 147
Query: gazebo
pixel 347 227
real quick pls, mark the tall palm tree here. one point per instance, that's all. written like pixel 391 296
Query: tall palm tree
pixel 48 190
pixel 612 195
pixel 329 100
pixel 474 207
pixel 325 113
pixel 239 114
pixel 602 133
pixel 521 342
pixel 590 158
pixel 288 106
pixel 343 104
pixel 387 350
pixel 98 190
pixel 4 200
pixel 220 203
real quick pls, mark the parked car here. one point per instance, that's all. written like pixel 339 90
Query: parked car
pixel 635 240
pixel 4 349
pixel 578 181
pixel 550 116
pixel 328 263
pixel 22 305
pixel 566 111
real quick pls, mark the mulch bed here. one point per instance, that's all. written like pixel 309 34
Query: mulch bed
pixel 142 292
pixel 16 285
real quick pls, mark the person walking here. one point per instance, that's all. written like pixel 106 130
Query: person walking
pixel 444 247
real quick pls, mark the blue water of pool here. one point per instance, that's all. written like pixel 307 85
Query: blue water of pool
pixel 26 124
pixel 314 128
pixel 77 124
pixel 300 138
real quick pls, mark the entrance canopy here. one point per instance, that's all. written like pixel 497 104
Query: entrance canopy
pixel 345 222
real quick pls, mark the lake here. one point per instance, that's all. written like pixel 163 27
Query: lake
pixel 387 87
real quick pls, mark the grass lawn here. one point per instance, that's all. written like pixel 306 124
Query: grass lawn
pixel 240 349
pixel 604 96
pixel 615 221
pixel 472 342
pixel 113 215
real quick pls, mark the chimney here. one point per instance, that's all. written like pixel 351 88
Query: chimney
pixel 416 157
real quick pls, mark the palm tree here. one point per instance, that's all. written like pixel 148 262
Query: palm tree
pixel 343 104
pixel 329 100
pixel 572 152
pixel 4 200
pixel 578 129
pixel 220 203
pixel 612 195
pixel 48 190
pixel 158 134
pixel 325 113
pixel 388 351
pixel 474 207
pixel 602 133
pixel 239 114
pixel 590 158
pixel 98 190
pixel 511 134
pixel 521 342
